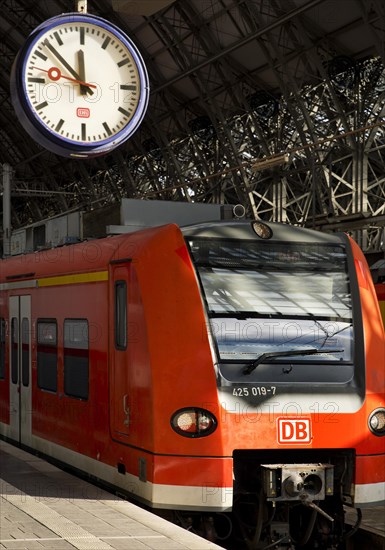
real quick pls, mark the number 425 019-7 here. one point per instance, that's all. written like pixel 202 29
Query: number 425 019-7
pixel 254 391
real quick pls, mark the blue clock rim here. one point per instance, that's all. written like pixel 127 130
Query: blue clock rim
pixel 72 147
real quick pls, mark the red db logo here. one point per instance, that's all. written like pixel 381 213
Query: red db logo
pixel 294 431
pixel 83 112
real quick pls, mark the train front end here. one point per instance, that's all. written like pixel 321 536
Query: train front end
pixel 299 354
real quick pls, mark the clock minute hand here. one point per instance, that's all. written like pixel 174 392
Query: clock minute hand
pixel 62 60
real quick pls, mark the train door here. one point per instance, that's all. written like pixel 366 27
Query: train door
pixel 20 368
pixel 119 352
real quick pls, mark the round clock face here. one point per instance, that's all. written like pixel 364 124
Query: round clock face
pixel 79 86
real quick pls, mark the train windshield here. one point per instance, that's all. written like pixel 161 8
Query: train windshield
pixel 276 298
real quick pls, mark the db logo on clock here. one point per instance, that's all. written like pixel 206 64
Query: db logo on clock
pixel 293 431
pixel 83 112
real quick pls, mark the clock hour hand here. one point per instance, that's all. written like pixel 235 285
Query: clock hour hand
pixel 82 73
pixel 53 50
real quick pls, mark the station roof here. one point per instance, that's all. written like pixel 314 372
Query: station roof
pixel 208 61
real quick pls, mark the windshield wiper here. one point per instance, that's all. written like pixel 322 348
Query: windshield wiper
pixel 254 364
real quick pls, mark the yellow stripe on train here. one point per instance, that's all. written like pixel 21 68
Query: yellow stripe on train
pixel 93 277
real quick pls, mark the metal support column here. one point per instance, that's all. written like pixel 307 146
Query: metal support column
pixel 7 174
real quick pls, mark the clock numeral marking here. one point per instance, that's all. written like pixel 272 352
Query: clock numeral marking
pixel 84 132
pixel 36 79
pixel 59 125
pixel 58 39
pixel 125 61
pixel 124 112
pixel 82 35
pixel 125 93
pixel 106 42
pixel 107 129
pixel 129 87
pixel 41 55
pixel 41 105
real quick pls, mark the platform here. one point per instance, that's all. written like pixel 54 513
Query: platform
pixel 371 534
pixel 43 507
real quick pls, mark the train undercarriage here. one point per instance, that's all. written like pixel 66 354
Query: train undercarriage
pixel 256 524
pixel 292 505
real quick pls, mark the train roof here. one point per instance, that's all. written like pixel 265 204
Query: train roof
pixel 93 255
pixel 86 256
pixel 249 229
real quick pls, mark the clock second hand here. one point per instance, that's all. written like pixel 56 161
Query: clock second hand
pixel 55 74
pixel 63 61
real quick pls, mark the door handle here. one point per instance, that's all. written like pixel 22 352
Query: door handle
pixel 126 410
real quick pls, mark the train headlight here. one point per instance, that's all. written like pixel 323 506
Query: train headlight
pixel 377 422
pixel 193 422
pixel 262 230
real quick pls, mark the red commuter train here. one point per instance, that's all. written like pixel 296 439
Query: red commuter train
pixel 233 367
pixel 380 291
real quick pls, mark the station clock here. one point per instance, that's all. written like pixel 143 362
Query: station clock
pixel 79 86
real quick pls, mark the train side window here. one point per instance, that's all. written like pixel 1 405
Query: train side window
pixel 121 315
pixel 47 355
pixel 2 348
pixel 76 358
pixel 14 350
pixel 25 351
